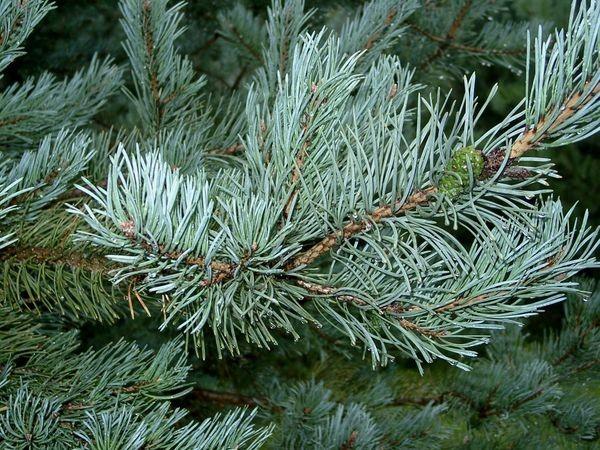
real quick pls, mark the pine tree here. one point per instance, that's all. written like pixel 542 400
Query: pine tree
pixel 322 194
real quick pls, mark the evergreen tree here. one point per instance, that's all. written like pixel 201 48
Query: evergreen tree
pixel 328 192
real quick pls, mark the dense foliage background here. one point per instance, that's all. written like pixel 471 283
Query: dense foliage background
pixel 76 30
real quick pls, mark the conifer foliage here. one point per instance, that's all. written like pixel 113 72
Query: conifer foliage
pixel 347 179
pixel 329 188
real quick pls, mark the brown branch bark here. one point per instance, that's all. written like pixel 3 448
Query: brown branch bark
pixel 530 138
pixel 209 43
pixel 222 271
pixel 459 20
pixel 350 442
pixel 418 198
pixel 44 255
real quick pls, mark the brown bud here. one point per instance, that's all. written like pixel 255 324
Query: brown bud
pixel 128 229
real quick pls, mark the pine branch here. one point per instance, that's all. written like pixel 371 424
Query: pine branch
pixel 222 398
pixel 526 142
pixel 325 141
pixel 166 87
pixel 306 123
pixel 372 39
pixel 221 270
pixel 45 255
pixel 150 48
pixel 240 27
pixel 356 301
pixel 240 39
pixel 18 18
pixel 475 50
pixel 66 281
pixel 16 22
pixel 375 27
pixel 450 35
pixel 113 397
pixel 419 198
pixel 546 126
pixel 44 105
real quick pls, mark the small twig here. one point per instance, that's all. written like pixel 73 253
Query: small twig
pixel 244 44
pixel 302 154
pixel 141 302
pixel 451 35
pixel 134 387
pixel 152 72
pixel 328 291
pixel 228 398
pixel 209 43
pixel 231 150
pixel 466 48
pixel 458 20
pixel 372 39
